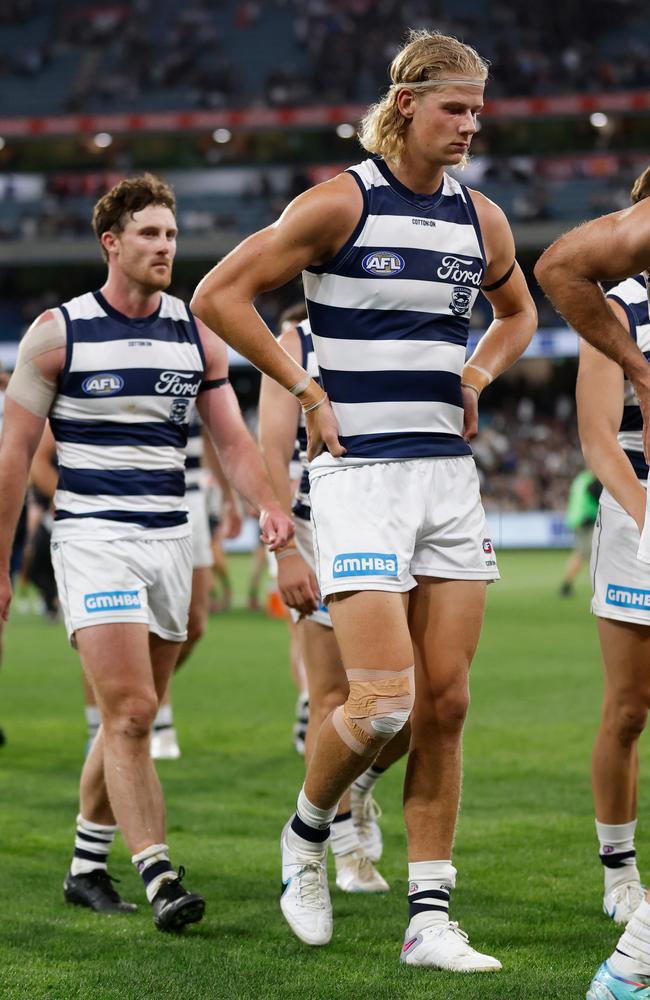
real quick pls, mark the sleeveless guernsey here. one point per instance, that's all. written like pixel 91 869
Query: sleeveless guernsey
pixel 194 472
pixel 632 294
pixel 120 420
pixel 301 502
pixel 390 316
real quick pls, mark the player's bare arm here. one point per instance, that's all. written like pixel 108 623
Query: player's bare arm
pixel 30 394
pixel 515 315
pixel 279 412
pixel 309 232
pixel 239 455
pixel 599 397
pixel 43 473
pixel 607 249
pixel 232 509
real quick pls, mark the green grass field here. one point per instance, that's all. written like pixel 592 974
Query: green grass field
pixel 529 887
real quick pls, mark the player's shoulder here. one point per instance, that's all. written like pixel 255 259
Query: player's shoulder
pixel 171 307
pixel 487 210
pixel 330 202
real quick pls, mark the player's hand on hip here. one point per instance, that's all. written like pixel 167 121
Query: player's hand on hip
pixel 276 528
pixel 6 594
pixel 322 432
pixel 470 409
pixel 296 582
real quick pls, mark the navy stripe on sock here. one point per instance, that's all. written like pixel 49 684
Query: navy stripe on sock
pixel 150 873
pixel 618 860
pixel 89 856
pixel 94 840
pixel 308 832
pixel 429 894
pixel 342 817
pixel 377 770
pixel 415 908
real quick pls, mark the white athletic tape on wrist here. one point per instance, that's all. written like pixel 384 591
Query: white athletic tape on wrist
pixel 299 387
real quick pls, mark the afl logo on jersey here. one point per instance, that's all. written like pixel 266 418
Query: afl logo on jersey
pixel 105 384
pixel 383 263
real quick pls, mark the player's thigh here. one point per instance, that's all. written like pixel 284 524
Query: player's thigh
pixel 445 619
pixel 170 561
pixel 116 659
pixel 326 677
pixel 200 598
pixel 372 630
pixel 621 582
pixel 164 655
pixel 626 659
pixel 366 520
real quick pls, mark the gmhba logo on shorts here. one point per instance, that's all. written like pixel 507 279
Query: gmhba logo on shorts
pixel 111 600
pixel 106 384
pixel 383 263
pixel 365 564
pixel 628 597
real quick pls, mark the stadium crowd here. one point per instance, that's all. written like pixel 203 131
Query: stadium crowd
pixel 318 51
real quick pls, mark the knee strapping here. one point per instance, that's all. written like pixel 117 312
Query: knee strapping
pixel 378 706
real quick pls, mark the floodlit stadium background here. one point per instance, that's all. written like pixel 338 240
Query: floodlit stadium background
pixel 241 106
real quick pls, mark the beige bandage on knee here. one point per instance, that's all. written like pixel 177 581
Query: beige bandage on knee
pixel 378 706
pixel 27 386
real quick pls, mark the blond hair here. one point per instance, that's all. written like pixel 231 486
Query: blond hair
pixel 427 55
pixel 641 187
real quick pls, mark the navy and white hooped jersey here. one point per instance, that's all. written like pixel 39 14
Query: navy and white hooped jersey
pixel 390 318
pixel 194 471
pixel 632 294
pixel 301 502
pixel 120 419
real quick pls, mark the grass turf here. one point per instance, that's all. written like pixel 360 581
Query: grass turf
pixel 529 887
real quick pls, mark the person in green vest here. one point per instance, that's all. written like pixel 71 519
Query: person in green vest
pixel 581 516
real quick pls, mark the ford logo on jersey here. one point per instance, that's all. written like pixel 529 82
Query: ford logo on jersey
pixel 106 384
pixel 110 600
pixel 365 564
pixel 383 263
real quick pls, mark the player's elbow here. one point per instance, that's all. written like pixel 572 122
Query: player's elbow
pixel 548 267
pixel 203 304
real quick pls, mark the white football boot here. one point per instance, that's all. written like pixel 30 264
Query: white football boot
pixel 445 946
pixel 621 901
pixel 355 872
pixel 305 900
pixel 365 813
pixel 164 744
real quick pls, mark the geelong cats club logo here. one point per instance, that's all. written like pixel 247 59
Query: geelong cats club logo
pixel 460 300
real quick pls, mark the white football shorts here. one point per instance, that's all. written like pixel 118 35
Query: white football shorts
pixel 125 580
pixel 378 526
pixel 305 546
pixel 197 505
pixel 620 580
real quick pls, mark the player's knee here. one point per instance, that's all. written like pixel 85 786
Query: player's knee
pixel 377 708
pixel 133 717
pixel 446 709
pixel 629 722
pixel 323 702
